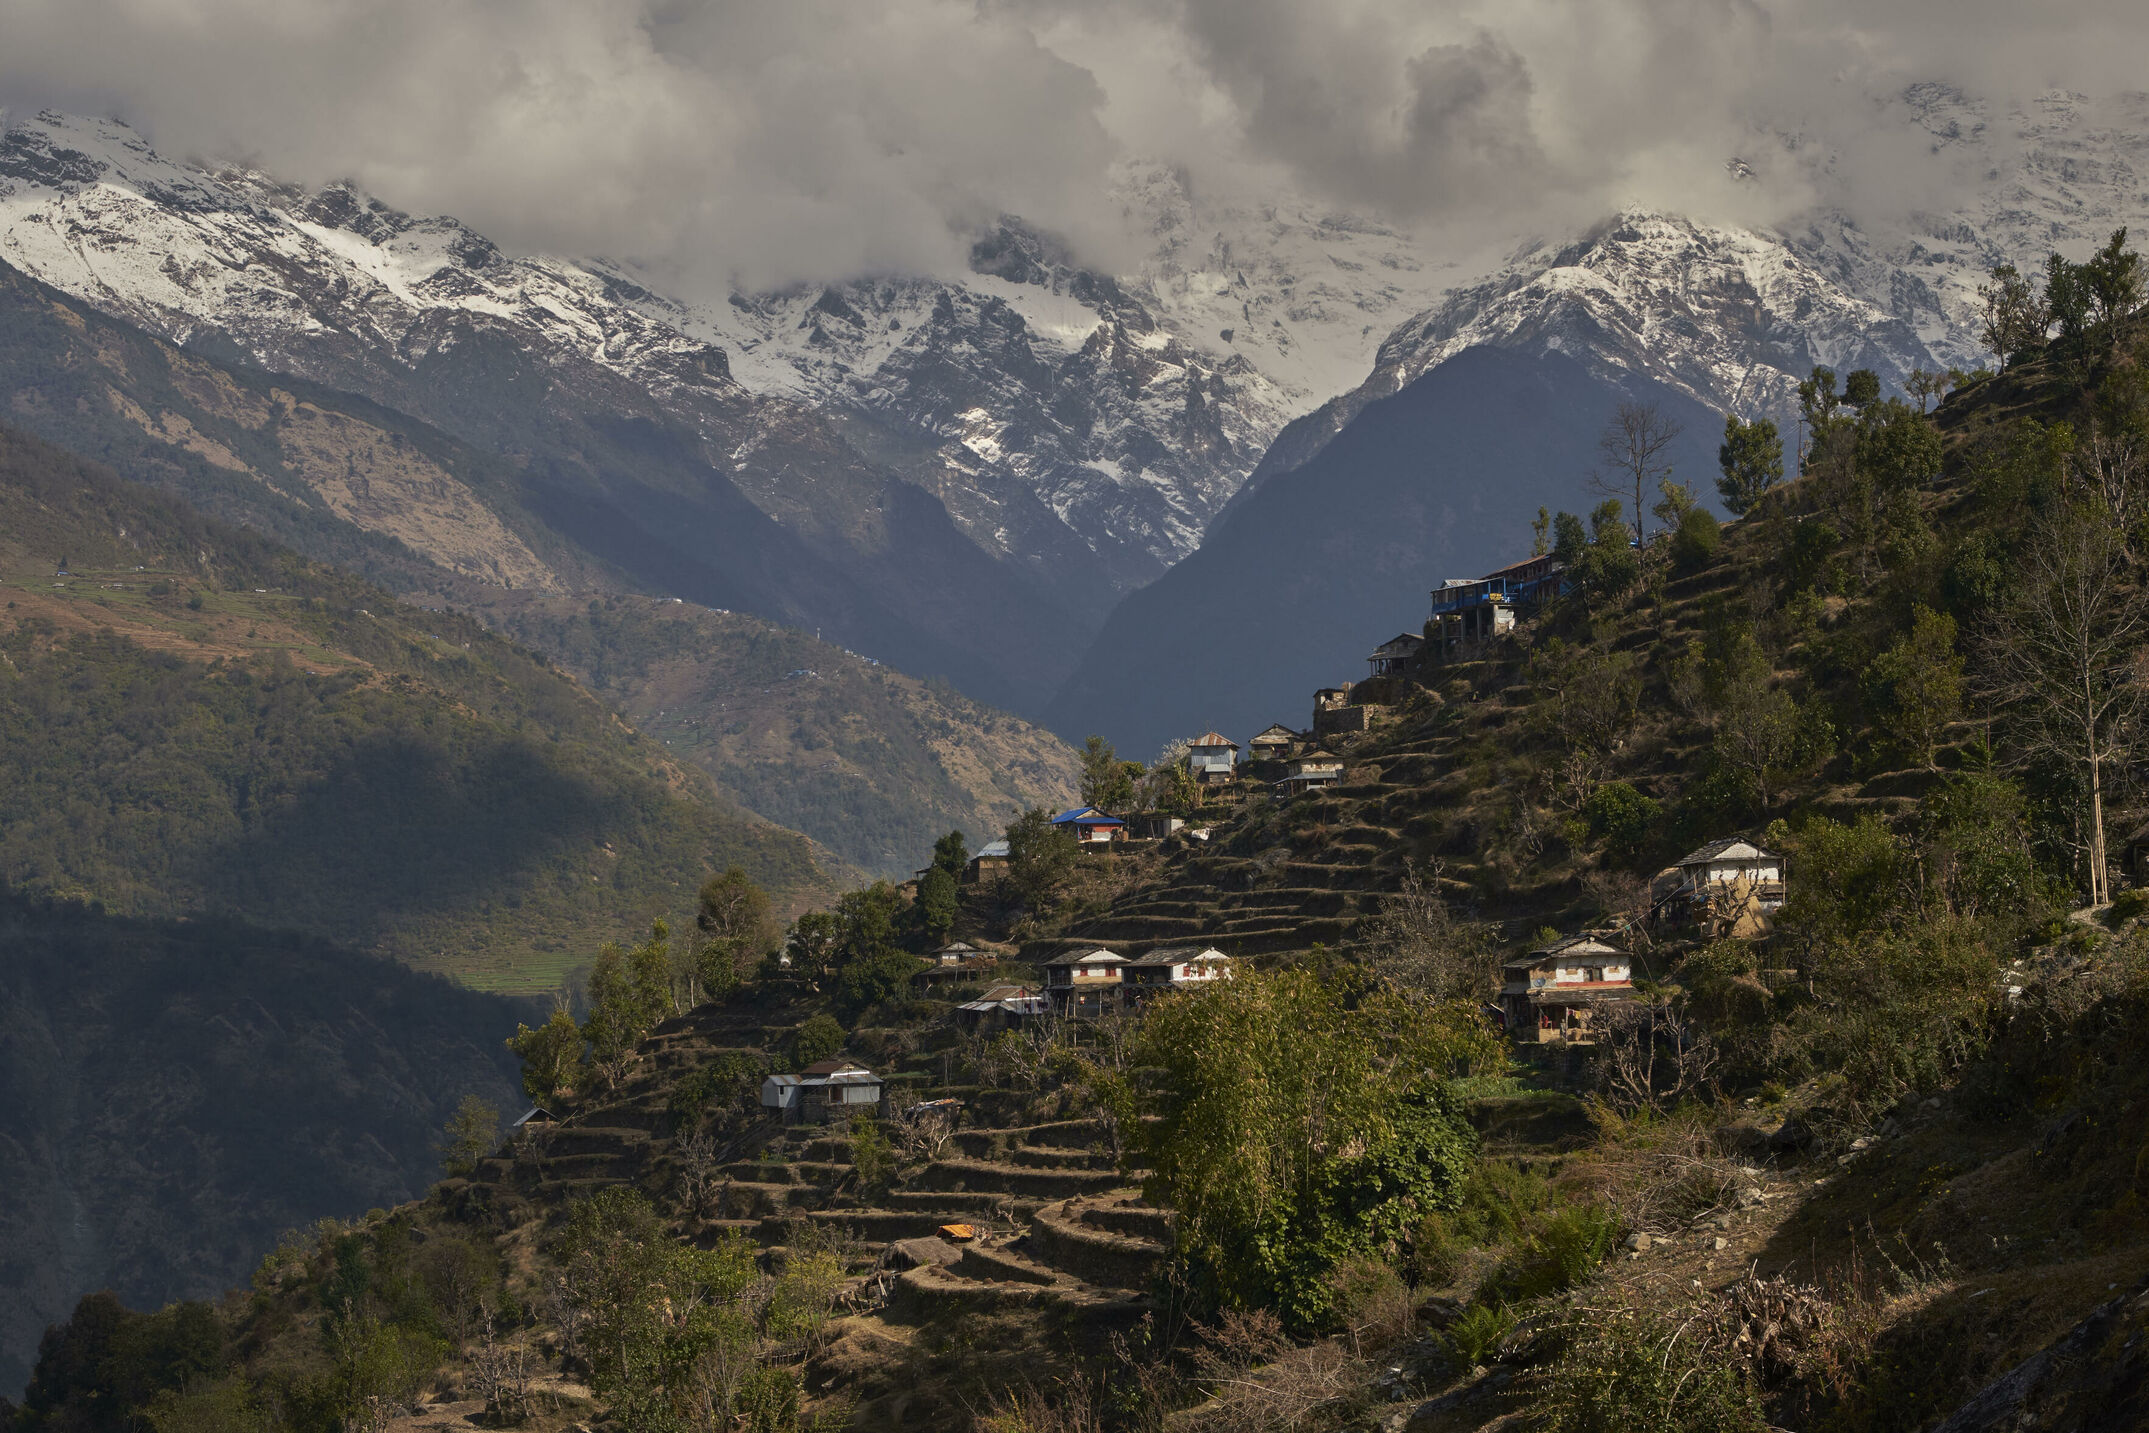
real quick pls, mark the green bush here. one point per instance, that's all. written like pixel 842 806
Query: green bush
pixel 2126 906
pixel 819 1038
pixel 1697 541
pixel 1476 1335
pixel 1559 1250
pixel 1621 817
pixel 1629 1372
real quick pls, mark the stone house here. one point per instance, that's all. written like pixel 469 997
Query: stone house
pixel 1394 656
pixel 1273 743
pixel 1308 771
pixel 990 862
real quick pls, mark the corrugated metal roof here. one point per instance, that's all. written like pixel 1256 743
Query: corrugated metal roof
pixel 1214 738
pixel 1086 816
pixel 990 848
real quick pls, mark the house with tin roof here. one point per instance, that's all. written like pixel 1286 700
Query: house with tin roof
pixel 1091 827
pixel 1212 758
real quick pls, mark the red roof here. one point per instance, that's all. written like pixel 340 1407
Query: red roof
pixel 1214 738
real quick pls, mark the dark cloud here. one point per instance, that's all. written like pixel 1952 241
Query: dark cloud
pixel 749 141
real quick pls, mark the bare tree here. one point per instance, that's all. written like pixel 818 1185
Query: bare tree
pixel 2061 661
pixel 1651 1055
pixel 1632 449
pixel 1420 945
pixel 698 1174
pixel 924 1131
pixel 2115 465
pixel 500 1374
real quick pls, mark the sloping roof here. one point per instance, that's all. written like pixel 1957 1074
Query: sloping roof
pixel 1514 567
pixel 957 947
pixel 1096 955
pixel 1730 848
pixel 1179 955
pixel 991 849
pixel 1317 755
pixel 1275 731
pixel 1214 738
pixel 536 1115
pixel 1401 642
pixel 830 1067
pixel 1573 945
pixel 1086 816
pixel 995 994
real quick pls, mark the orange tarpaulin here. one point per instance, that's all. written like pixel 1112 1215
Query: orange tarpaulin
pixel 958 1231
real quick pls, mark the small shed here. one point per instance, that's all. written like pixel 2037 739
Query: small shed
pixel 990 861
pixel 780 1093
pixel 1394 656
pixel 535 1120
pixel 1090 826
pixel 1212 758
pixel 1554 994
pixel 1272 743
pixel 957 953
pixel 1154 825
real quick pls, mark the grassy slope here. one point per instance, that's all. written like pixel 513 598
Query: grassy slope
pixel 199 720
pixel 873 763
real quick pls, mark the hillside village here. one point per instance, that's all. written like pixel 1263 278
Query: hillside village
pixel 1675 988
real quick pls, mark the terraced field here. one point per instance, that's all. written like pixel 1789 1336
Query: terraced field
pixel 1062 1251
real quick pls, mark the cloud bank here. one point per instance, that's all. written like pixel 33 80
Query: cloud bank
pixel 754 142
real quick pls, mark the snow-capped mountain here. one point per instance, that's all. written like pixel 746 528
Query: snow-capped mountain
pixel 1734 317
pixel 1072 423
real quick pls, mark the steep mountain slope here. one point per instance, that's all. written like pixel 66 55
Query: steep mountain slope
pixel 627 439
pixel 173 1096
pixel 874 764
pixel 197 719
pixel 1324 562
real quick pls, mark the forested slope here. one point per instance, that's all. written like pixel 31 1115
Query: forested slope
pixel 198 720
pixel 173 1096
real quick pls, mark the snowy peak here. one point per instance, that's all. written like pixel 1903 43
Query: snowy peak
pixel 1729 317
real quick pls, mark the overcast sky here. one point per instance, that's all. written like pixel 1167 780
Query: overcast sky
pixel 778 139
